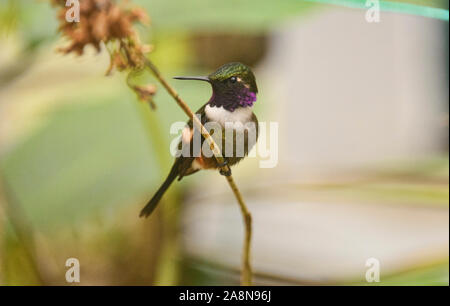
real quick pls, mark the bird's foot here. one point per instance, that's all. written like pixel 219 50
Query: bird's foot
pixel 222 172
pixel 225 173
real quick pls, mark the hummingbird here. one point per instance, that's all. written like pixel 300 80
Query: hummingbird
pixel 230 107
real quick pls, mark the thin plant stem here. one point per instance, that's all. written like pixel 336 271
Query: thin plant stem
pixel 246 276
pixel 246 273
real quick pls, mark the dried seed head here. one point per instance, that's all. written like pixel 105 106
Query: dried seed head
pixel 145 93
pixel 105 21
pixel 101 21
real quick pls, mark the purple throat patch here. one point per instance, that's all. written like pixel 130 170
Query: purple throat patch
pixel 247 98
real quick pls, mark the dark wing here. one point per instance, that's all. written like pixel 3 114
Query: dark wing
pixel 185 163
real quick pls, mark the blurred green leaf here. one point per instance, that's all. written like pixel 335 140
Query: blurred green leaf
pixel 87 156
pixel 207 15
pixel 433 9
pixel 433 275
pixel 34 19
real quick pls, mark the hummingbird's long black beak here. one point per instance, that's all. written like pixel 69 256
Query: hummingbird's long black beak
pixel 198 78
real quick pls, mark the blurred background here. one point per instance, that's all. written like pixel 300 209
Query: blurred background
pixel 363 166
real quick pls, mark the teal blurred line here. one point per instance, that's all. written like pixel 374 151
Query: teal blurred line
pixel 397 7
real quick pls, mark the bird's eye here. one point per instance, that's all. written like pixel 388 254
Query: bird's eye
pixel 233 79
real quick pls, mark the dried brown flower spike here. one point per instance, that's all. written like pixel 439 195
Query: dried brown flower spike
pixel 102 21
pixel 105 21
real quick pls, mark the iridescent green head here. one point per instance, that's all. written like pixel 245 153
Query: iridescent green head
pixel 235 72
pixel 233 84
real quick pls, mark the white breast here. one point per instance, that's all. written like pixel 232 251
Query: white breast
pixel 241 122
pixel 221 115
